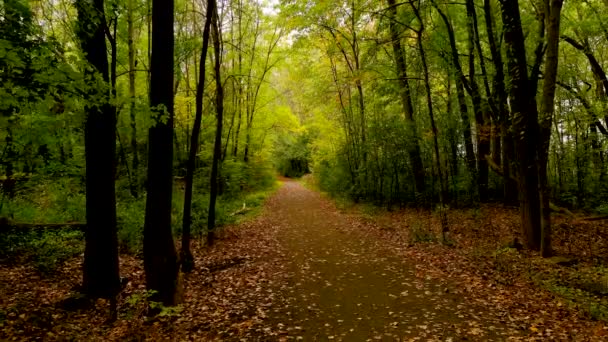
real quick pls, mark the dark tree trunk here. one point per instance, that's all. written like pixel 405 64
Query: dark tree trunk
pixel 501 112
pixel 100 268
pixel 461 84
pixel 429 102
pixel 217 146
pixel 525 124
pixel 159 251
pixel 187 260
pixel 553 9
pixel 406 100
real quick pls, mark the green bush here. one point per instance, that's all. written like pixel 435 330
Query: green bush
pixel 237 177
pixel 130 222
pixel 45 249
pixel 47 201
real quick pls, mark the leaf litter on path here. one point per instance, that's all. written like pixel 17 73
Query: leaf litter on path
pixel 303 270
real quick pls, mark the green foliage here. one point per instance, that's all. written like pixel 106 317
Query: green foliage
pixel 583 287
pixel 130 221
pixel 419 232
pixel 334 178
pixel 47 200
pixel 45 250
pixel 237 177
pixel 138 304
pixel 590 304
pixel 292 154
pixel 602 209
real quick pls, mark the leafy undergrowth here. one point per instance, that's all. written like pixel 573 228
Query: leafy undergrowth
pixel 44 250
pixel 563 296
pixel 226 297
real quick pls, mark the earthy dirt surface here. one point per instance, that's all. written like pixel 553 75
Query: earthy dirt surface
pixel 343 285
pixel 304 270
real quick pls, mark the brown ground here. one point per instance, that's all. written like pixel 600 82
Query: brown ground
pixel 304 270
pixel 346 286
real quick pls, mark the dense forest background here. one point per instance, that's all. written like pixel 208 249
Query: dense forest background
pixel 188 109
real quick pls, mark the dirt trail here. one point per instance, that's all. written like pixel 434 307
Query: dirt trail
pixel 345 286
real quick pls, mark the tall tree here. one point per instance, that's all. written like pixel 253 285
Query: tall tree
pixel 552 17
pixel 525 123
pixel 429 102
pixel 131 48
pixel 461 85
pixel 217 145
pixel 406 99
pixel 100 276
pixel 159 251
pixel 187 260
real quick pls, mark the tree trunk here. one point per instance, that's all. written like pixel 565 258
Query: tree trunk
pixel 461 84
pixel 553 9
pixel 429 102
pixel 525 124
pixel 406 101
pixel 187 261
pixel 131 48
pixel 502 113
pixel 217 146
pixel 159 251
pixel 480 106
pixel 100 268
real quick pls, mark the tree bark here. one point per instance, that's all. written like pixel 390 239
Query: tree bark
pixel 461 84
pixel 159 251
pixel 480 105
pixel 429 102
pixel 406 101
pixel 131 52
pixel 552 17
pixel 217 146
pixel 525 124
pixel 187 261
pixel 100 267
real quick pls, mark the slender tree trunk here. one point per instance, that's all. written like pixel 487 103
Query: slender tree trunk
pixel 406 101
pixel 480 105
pixel 429 102
pixel 502 114
pixel 217 146
pixel 187 260
pixel 131 48
pixel 160 262
pixel 100 276
pixel 553 9
pixel 461 84
pixel 237 132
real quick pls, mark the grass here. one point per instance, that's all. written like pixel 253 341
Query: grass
pixel 584 287
pixel 45 250
pixel 63 200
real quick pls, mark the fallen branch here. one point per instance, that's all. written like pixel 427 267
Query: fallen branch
pixel 241 211
pixel 224 264
pixel 594 218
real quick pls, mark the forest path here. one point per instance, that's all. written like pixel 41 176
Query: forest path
pixel 344 285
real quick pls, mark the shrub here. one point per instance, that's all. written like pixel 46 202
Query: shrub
pixel 45 249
